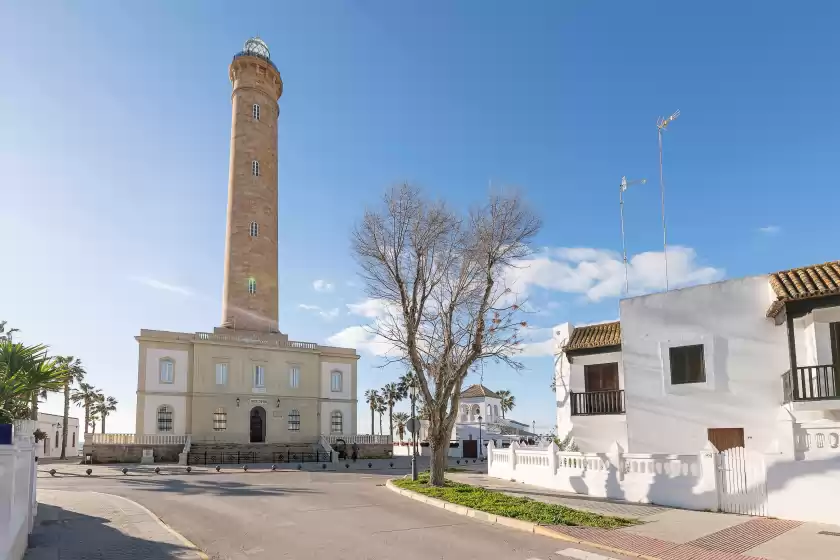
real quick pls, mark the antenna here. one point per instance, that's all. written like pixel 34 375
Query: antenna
pixel 621 188
pixel 662 125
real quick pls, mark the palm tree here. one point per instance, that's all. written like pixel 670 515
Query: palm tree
pixel 392 393
pixel 372 398
pixel 86 395
pixel 73 373
pixel 104 407
pixel 94 417
pixel 6 334
pixel 506 401
pixel 381 408
pixel 401 418
pixel 24 371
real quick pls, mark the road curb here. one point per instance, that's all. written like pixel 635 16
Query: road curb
pixel 188 543
pixel 525 526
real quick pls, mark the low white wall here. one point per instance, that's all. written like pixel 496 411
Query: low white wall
pixel 686 481
pixel 405 451
pixel 17 491
pixel 804 490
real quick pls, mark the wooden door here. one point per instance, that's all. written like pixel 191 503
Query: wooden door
pixel 726 438
pixel 470 448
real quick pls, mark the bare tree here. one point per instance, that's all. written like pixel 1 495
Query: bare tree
pixel 440 279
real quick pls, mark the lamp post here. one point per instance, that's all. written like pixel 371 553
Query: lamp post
pixel 480 450
pixel 414 432
pixel 662 125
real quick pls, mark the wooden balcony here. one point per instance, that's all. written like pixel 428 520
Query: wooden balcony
pixel 810 383
pixel 594 403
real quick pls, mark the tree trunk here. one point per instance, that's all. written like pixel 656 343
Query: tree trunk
pixel 380 423
pixel 33 414
pixel 102 428
pixel 66 420
pixel 391 420
pixel 372 430
pixel 437 467
pixel 87 416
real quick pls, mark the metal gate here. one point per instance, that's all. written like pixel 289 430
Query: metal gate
pixel 741 482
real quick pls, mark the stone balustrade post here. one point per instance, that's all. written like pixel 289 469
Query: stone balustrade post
pixel 490 448
pixel 513 448
pixel 552 451
pixel 616 457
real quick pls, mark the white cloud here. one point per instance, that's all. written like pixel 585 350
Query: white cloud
pixel 770 230
pixel 599 273
pixel 370 308
pixel 322 286
pixel 362 339
pixel 537 349
pixel 328 314
pixel 158 285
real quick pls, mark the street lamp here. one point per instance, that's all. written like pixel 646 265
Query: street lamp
pixel 414 432
pixel 480 451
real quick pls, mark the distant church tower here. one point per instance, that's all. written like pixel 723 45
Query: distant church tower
pixel 250 295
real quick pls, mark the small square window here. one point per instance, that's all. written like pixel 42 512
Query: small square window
pixel 687 364
pixel 256 112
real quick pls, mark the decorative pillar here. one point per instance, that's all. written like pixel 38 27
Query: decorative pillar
pixel 615 455
pixel 562 379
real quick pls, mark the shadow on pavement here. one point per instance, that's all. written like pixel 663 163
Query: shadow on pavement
pixel 69 535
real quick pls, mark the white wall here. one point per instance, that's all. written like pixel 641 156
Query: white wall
pixel 346 409
pixel 326 371
pixel 179 416
pixel 48 423
pixel 487 407
pixel 745 354
pixel 17 491
pixel 597 433
pixel 181 359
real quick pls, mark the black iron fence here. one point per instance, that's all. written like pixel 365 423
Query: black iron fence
pixel 598 402
pixel 212 457
pixel 810 383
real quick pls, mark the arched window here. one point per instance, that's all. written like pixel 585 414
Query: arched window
pixel 336 381
pixel 294 421
pixel 252 286
pixel 167 370
pixel 495 411
pixel 336 422
pixel 220 420
pixel 255 168
pixel 256 112
pixel 255 229
pixel 164 418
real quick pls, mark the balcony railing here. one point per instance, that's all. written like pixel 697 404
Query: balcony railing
pixel 598 402
pixel 811 383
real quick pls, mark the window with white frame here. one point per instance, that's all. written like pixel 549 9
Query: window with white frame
pixel 167 371
pixel 336 422
pixel 164 418
pixel 336 381
pixel 252 286
pixel 255 112
pixel 220 420
pixel 259 376
pixel 294 377
pixel 255 168
pixel 294 421
pixel 255 229
pixel 221 373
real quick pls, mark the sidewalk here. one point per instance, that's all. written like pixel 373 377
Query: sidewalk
pixel 86 525
pixel 676 534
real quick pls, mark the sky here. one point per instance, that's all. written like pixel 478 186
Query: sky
pixel 115 131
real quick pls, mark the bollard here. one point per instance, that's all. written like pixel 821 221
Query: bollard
pixel 245 468
pixel 346 465
pixel 392 465
pixel 218 468
pixel 189 469
pixel 124 470
pixel 324 466
pixel 273 467
pixel 89 471
pixel 370 465
pixel 157 470
pixel 52 472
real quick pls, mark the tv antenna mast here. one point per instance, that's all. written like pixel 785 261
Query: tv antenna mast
pixel 621 188
pixel 662 125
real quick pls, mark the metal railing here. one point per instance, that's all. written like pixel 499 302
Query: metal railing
pixel 135 439
pixel 598 402
pixel 255 55
pixel 810 383
pixel 213 457
pixel 251 339
pixel 359 438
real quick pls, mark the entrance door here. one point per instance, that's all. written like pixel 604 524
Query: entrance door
pixel 257 424
pixel 470 448
pixel 726 438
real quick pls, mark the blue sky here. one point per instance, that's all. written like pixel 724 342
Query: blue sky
pixel 116 126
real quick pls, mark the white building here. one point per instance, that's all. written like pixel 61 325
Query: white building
pixel 50 446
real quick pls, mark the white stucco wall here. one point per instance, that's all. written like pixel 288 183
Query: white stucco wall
pixel 745 355
pixel 348 420
pixel 595 434
pixel 181 359
pixel 48 423
pixel 487 406
pixel 179 415
pixel 326 389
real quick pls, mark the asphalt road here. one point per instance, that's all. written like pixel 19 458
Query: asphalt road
pixel 316 515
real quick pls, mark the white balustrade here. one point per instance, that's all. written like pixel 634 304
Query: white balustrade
pixel 360 439
pixel 136 439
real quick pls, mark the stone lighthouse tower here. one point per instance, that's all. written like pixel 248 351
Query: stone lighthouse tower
pixel 250 296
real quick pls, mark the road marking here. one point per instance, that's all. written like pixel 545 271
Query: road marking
pixel 582 554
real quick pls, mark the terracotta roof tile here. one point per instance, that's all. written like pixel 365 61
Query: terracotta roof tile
pixel 478 391
pixel 595 336
pixel 807 282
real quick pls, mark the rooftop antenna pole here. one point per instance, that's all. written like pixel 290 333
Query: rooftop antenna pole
pixel 621 188
pixel 662 125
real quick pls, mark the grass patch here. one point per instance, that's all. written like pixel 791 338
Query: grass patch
pixel 497 503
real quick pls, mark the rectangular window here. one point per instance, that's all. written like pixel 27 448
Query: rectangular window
pixel 687 365
pixel 221 373
pixel 601 377
pixel 256 112
pixel 335 382
pixel 167 371
pixel 255 168
pixel 220 420
pixel 259 376
pixel 294 377
pixel 294 421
